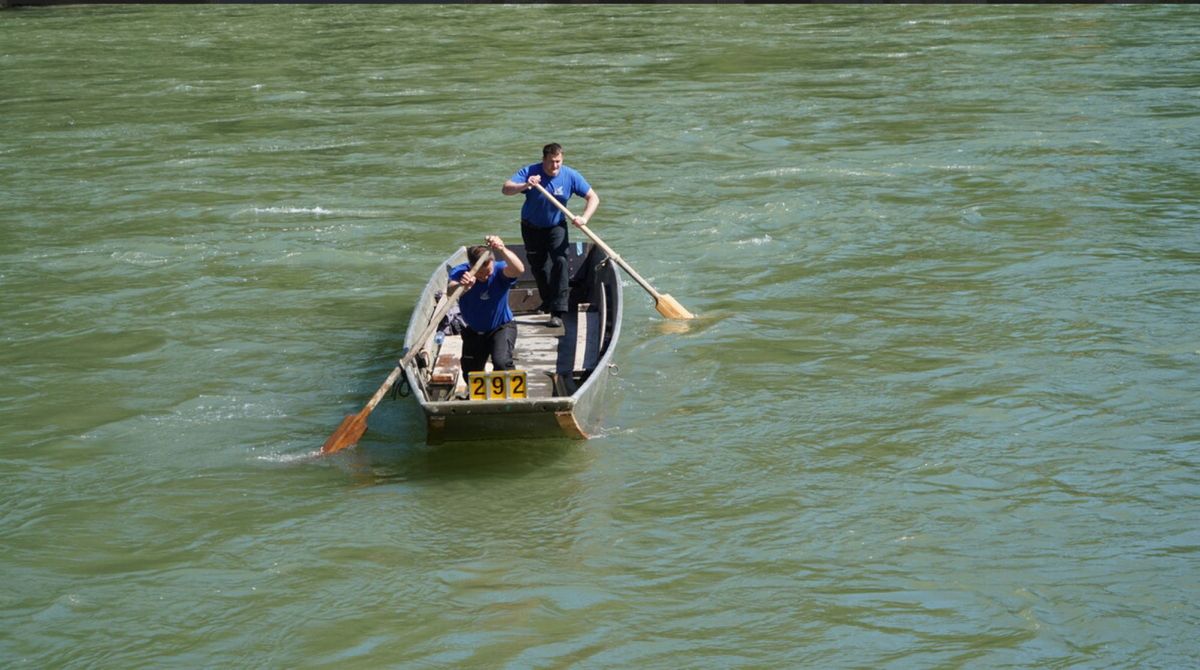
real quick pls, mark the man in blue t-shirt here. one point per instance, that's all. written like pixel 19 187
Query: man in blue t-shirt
pixel 544 227
pixel 490 329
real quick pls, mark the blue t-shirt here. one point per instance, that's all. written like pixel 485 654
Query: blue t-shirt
pixel 485 307
pixel 539 211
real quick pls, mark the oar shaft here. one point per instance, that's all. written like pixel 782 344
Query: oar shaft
pixel 434 322
pixel 600 243
pixel 383 389
pixel 620 261
pixel 353 426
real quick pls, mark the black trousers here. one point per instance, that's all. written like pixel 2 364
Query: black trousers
pixel 498 345
pixel 546 251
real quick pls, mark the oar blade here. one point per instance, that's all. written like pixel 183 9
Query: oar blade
pixel 346 435
pixel 670 308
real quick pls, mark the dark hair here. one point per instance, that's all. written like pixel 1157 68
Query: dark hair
pixel 552 149
pixel 475 252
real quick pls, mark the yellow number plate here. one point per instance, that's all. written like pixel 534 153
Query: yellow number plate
pixel 516 383
pixel 497 385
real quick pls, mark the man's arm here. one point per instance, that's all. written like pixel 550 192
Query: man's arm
pixel 466 280
pixel 514 187
pixel 514 268
pixel 593 201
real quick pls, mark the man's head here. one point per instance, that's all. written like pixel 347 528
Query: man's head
pixel 552 159
pixel 475 253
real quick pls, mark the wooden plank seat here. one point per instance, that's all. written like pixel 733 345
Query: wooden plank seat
pixel 446 380
pixel 554 359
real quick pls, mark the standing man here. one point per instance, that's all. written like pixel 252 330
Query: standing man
pixel 491 331
pixel 544 227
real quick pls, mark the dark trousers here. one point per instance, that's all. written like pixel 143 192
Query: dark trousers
pixel 498 344
pixel 546 251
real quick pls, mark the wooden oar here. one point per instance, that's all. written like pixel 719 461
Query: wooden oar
pixel 666 305
pixel 354 425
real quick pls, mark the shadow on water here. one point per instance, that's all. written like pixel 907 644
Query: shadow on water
pixel 394 449
pixel 379 463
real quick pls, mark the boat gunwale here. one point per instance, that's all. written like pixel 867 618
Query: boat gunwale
pixel 427 304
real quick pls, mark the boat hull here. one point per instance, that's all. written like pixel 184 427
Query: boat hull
pixel 569 384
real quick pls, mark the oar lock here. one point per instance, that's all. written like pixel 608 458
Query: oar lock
pixel 401 388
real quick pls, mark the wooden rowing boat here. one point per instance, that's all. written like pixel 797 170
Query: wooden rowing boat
pixel 566 368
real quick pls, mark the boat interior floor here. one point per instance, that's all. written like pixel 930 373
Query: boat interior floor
pixel 555 360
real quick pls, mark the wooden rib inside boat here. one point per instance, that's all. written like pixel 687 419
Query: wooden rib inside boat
pixel 566 368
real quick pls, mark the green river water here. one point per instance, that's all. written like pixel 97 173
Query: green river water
pixel 940 408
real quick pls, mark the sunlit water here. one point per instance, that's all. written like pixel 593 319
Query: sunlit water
pixel 939 409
